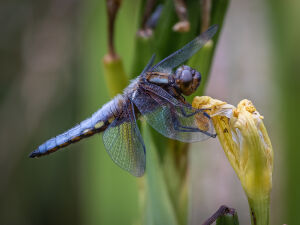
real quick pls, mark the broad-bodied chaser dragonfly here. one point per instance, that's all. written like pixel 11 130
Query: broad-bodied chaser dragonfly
pixel 157 95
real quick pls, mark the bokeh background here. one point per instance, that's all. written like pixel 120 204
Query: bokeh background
pixel 52 77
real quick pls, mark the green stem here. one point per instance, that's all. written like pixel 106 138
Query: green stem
pixel 114 73
pixel 259 209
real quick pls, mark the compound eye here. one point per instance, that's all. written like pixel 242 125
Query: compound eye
pixel 186 76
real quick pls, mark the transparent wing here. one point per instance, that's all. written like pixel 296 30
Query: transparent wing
pixel 173 121
pixel 124 144
pixel 149 65
pixel 183 54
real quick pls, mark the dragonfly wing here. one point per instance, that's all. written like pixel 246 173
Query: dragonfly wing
pixel 173 121
pixel 183 54
pixel 149 65
pixel 124 144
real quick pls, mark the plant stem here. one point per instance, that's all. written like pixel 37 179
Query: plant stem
pixel 112 10
pixel 114 73
pixel 259 209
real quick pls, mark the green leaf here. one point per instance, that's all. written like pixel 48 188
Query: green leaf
pixel 284 38
pixel 228 219
pixel 159 207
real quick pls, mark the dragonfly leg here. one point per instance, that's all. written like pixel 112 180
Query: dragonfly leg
pixel 181 128
pixel 193 113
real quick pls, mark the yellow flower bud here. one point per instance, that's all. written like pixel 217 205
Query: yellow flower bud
pixel 248 148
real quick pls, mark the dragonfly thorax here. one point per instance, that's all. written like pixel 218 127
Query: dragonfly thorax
pixel 187 80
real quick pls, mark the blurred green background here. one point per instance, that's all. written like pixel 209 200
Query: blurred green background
pixel 52 77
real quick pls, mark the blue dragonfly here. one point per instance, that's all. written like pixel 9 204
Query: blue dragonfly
pixel 155 95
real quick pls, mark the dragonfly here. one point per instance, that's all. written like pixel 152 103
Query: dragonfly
pixel 157 95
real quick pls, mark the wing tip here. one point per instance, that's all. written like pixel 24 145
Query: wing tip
pixel 211 31
pixel 214 27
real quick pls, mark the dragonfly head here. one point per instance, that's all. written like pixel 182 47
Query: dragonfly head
pixel 187 79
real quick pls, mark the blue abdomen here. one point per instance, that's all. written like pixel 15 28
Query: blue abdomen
pixel 98 122
pixel 86 128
